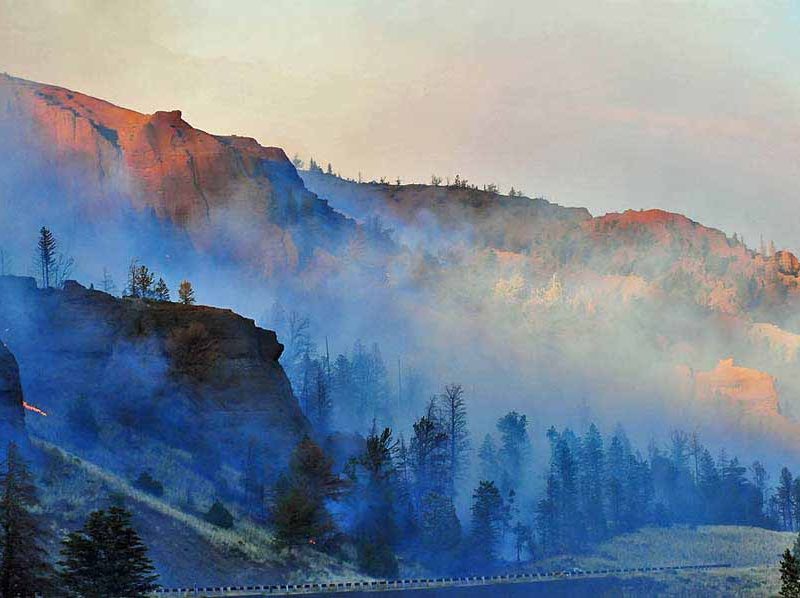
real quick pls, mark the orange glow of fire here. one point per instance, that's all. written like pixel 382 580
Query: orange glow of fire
pixel 33 408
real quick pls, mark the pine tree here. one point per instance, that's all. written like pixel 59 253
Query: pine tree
pixel 46 255
pixel 616 465
pixel 784 494
pixel 487 521
pixel 428 456
pixel 375 527
pixel 455 424
pixel 564 468
pixel 790 576
pixel 515 445
pixel 186 293
pixel 547 518
pixel 107 558
pixel 24 569
pixel 132 288
pixel 161 291
pixel 406 515
pixel 300 514
pixel 592 470
pixel 440 529
pixel 143 279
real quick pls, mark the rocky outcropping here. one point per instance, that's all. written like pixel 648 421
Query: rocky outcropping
pixel 12 415
pixel 787 263
pixel 234 196
pixel 202 379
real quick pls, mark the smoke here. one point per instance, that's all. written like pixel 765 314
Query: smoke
pixel 446 301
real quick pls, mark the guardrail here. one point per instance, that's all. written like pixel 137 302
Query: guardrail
pixel 410 584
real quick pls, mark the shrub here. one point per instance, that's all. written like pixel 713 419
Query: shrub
pixel 219 516
pixel 149 484
pixel 193 351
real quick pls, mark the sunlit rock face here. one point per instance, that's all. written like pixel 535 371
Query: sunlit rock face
pixel 201 379
pixel 744 389
pixel 12 416
pixel 234 197
pixel 787 263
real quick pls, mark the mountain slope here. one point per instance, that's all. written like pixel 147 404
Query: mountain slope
pixel 515 297
pixel 235 197
pixel 114 374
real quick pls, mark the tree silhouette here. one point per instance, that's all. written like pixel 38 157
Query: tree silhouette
pixel 107 558
pixel 186 293
pixel 46 256
pixel 24 569
pixel 161 291
pixel 790 576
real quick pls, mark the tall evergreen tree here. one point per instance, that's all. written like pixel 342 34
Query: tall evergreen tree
pixel 428 456
pixel 454 414
pixel 790 576
pixel 300 513
pixel 547 518
pixel 564 468
pixel 487 521
pixel 24 568
pixel 440 529
pixel 46 256
pixel 161 291
pixel 514 448
pixel 107 558
pixel 143 278
pixel 785 499
pixel 186 293
pixel 375 527
pixel 592 477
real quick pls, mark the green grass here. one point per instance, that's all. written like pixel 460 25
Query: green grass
pixel 246 552
pixel 753 553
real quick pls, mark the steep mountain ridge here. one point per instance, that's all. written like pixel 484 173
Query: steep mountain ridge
pixel 199 379
pixel 454 213
pixel 234 196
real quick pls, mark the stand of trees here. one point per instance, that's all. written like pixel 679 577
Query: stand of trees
pixel 400 497
pixel 104 558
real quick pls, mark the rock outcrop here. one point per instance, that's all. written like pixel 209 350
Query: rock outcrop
pixel 744 390
pixel 787 263
pixel 12 414
pixel 202 379
pixel 233 196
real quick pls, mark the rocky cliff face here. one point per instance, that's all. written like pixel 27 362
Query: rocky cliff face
pixel 234 196
pixel 198 378
pixel 12 416
pixel 672 252
pixel 750 391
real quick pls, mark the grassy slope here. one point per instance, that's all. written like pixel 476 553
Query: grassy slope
pixel 185 549
pixel 754 554
pixel 181 541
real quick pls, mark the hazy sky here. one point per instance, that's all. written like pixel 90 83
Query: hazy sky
pixel 690 106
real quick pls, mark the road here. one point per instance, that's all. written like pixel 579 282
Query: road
pixel 566 583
